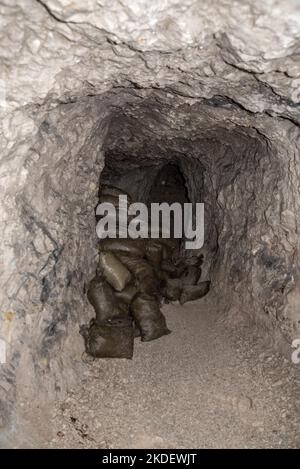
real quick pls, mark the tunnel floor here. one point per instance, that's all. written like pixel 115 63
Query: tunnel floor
pixel 201 386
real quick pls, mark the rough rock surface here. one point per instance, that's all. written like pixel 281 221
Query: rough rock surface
pixel 212 84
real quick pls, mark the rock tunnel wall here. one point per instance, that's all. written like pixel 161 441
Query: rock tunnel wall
pixel 77 90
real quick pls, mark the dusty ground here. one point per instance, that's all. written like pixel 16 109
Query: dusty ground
pixel 198 387
pixel 205 385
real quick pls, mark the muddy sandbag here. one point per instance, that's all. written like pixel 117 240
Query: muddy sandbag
pixel 167 252
pixel 173 289
pixel 191 275
pixel 114 272
pixel 194 292
pixel 174 270
pixel 109 199
pixel 169 267
pixel 192 272
pixel 102 297
pixel 148 318
pixel 120 212
pixel 169 243
pixel 108 341
pixel 136 331
pixel 112 191
pixel 162 278
pixel 112 196
pixel 133 247
pixel 114 201
pixel 127 294
pixel 118 216
pixel 154 252
pixel 142 272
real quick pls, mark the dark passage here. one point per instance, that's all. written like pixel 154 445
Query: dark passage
pixel 169 186
pixel 135 277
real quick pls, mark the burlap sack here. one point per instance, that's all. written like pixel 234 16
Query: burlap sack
pixel 104 301
pixel 133 247
pixel 127 294
pixel 172 269
pixel 111 191
pixel 142 272
pixel 173 289
pixel 191 275
pixel 114 272
pixel 154 252
pixel 194 292
pixel 148 318
pixel 107 341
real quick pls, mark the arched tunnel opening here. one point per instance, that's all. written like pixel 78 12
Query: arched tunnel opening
pixel 169 186
pixel 224 377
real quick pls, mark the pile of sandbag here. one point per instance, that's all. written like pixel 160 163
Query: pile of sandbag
pixel 133 277
pixel 183 282
pixel 125 297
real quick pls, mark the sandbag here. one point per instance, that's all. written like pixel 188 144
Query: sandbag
pixel 154 252
pixel 167 252
pixel 168 266
pixel 191 275
pixel 148 318
pixel 133 247
pixel 142 272
pixel 194 292
pixel 107 341
pixel 111 228
pixel 173 270
pixel 169 243
pixel 173 289
pixel 106 305
pixel 136 331
pixel 112 191
pixel 121 213
pixel 114 272
pixel 112 200
pixel 192 272
pixel 159 230
pixel 127 294
pixel 117 217
pixel 162 278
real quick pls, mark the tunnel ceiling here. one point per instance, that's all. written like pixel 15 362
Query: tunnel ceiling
pixel 211 85
pixel 165 126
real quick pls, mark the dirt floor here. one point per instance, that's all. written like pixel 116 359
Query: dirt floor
pixel 206 385
pixel 199 387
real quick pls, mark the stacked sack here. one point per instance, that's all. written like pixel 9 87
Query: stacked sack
pixel 110 333
pixel 183 279
pixel 133 277
pixel 179 277
pixel 124 294
pixel 144 304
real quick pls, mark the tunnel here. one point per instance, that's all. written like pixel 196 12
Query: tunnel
pixel 165 119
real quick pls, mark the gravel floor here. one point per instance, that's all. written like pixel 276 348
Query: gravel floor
pixel 201 386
